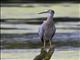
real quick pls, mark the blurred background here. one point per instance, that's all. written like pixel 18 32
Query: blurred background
pixel 20 23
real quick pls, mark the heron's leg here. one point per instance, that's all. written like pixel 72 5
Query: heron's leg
pixel 44 44
pixel 50 43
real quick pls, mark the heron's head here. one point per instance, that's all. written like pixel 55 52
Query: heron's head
pixel 49 11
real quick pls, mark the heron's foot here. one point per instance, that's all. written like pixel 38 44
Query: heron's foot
pixel 43 48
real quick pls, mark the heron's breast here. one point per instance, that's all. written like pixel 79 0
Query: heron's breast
pixel 48 34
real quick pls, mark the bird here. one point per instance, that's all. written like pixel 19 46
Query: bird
pixel 47 29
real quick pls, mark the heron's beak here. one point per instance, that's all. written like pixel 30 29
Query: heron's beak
pixel 43 12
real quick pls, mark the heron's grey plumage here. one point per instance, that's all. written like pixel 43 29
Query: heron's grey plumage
pixel 47 29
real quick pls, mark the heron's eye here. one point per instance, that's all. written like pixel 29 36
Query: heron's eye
pixel 53 12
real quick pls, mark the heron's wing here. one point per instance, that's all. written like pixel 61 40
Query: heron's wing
pixel 41 32
pixel 53 30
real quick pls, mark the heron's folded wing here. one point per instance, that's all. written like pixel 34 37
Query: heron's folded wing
pixel 41 31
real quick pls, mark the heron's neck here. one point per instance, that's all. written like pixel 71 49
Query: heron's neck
pixel 50 18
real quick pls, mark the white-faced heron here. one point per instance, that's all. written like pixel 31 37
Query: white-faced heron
pixel 47 28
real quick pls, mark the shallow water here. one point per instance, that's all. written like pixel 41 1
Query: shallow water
pixel 63 53
pixel 15 31
pixel 25 33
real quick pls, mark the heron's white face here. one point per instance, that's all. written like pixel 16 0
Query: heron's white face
pixel 49 14
pixel 51 11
